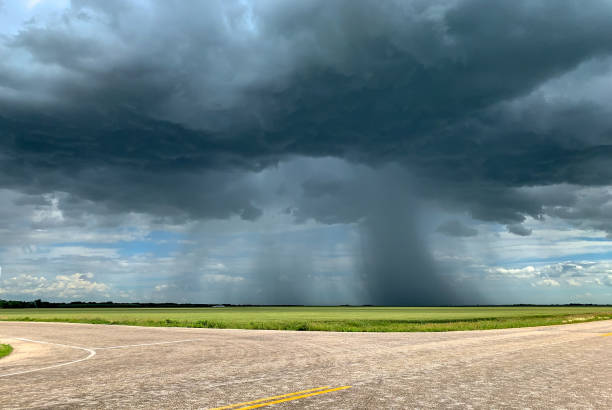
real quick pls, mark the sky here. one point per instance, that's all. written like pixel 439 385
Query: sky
pixel 415 152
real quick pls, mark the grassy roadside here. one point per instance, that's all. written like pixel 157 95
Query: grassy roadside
pixel 5 350
pixel 343 319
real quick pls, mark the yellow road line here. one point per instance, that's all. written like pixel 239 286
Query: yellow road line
pixel 294 398
pixel 607 334
pixel 231 406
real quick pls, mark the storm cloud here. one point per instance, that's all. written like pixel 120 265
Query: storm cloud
pixel 178 111
pixel 456 228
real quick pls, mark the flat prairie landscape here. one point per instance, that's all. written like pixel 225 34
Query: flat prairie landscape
pixel 344 319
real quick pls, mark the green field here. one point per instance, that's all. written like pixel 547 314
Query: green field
pixel 5 350
pixel 345 319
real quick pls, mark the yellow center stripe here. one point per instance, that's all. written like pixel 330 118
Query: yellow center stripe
pixel 294 398
pixel 607 334
pixel 231 406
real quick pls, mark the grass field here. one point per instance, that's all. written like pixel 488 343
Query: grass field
pixel 344 319
pixel 5 350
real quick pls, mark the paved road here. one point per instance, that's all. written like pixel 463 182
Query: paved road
pixel 98 366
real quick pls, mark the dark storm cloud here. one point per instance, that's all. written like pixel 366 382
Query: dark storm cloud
pixel 590 209
pixel 456 228
pixel 518 229
pixel 173 109
pixel 126 164
pixel 129 93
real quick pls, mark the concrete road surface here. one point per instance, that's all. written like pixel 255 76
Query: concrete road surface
pixel 98 366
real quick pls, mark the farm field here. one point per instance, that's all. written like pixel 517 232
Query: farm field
pixel 344 319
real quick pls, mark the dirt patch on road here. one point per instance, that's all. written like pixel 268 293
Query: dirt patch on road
pixel 28 355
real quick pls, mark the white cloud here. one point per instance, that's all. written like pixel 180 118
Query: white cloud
pixel 547 283
pixel 216 266
pixel 518 273
pixel 77 285
pixel 589 274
